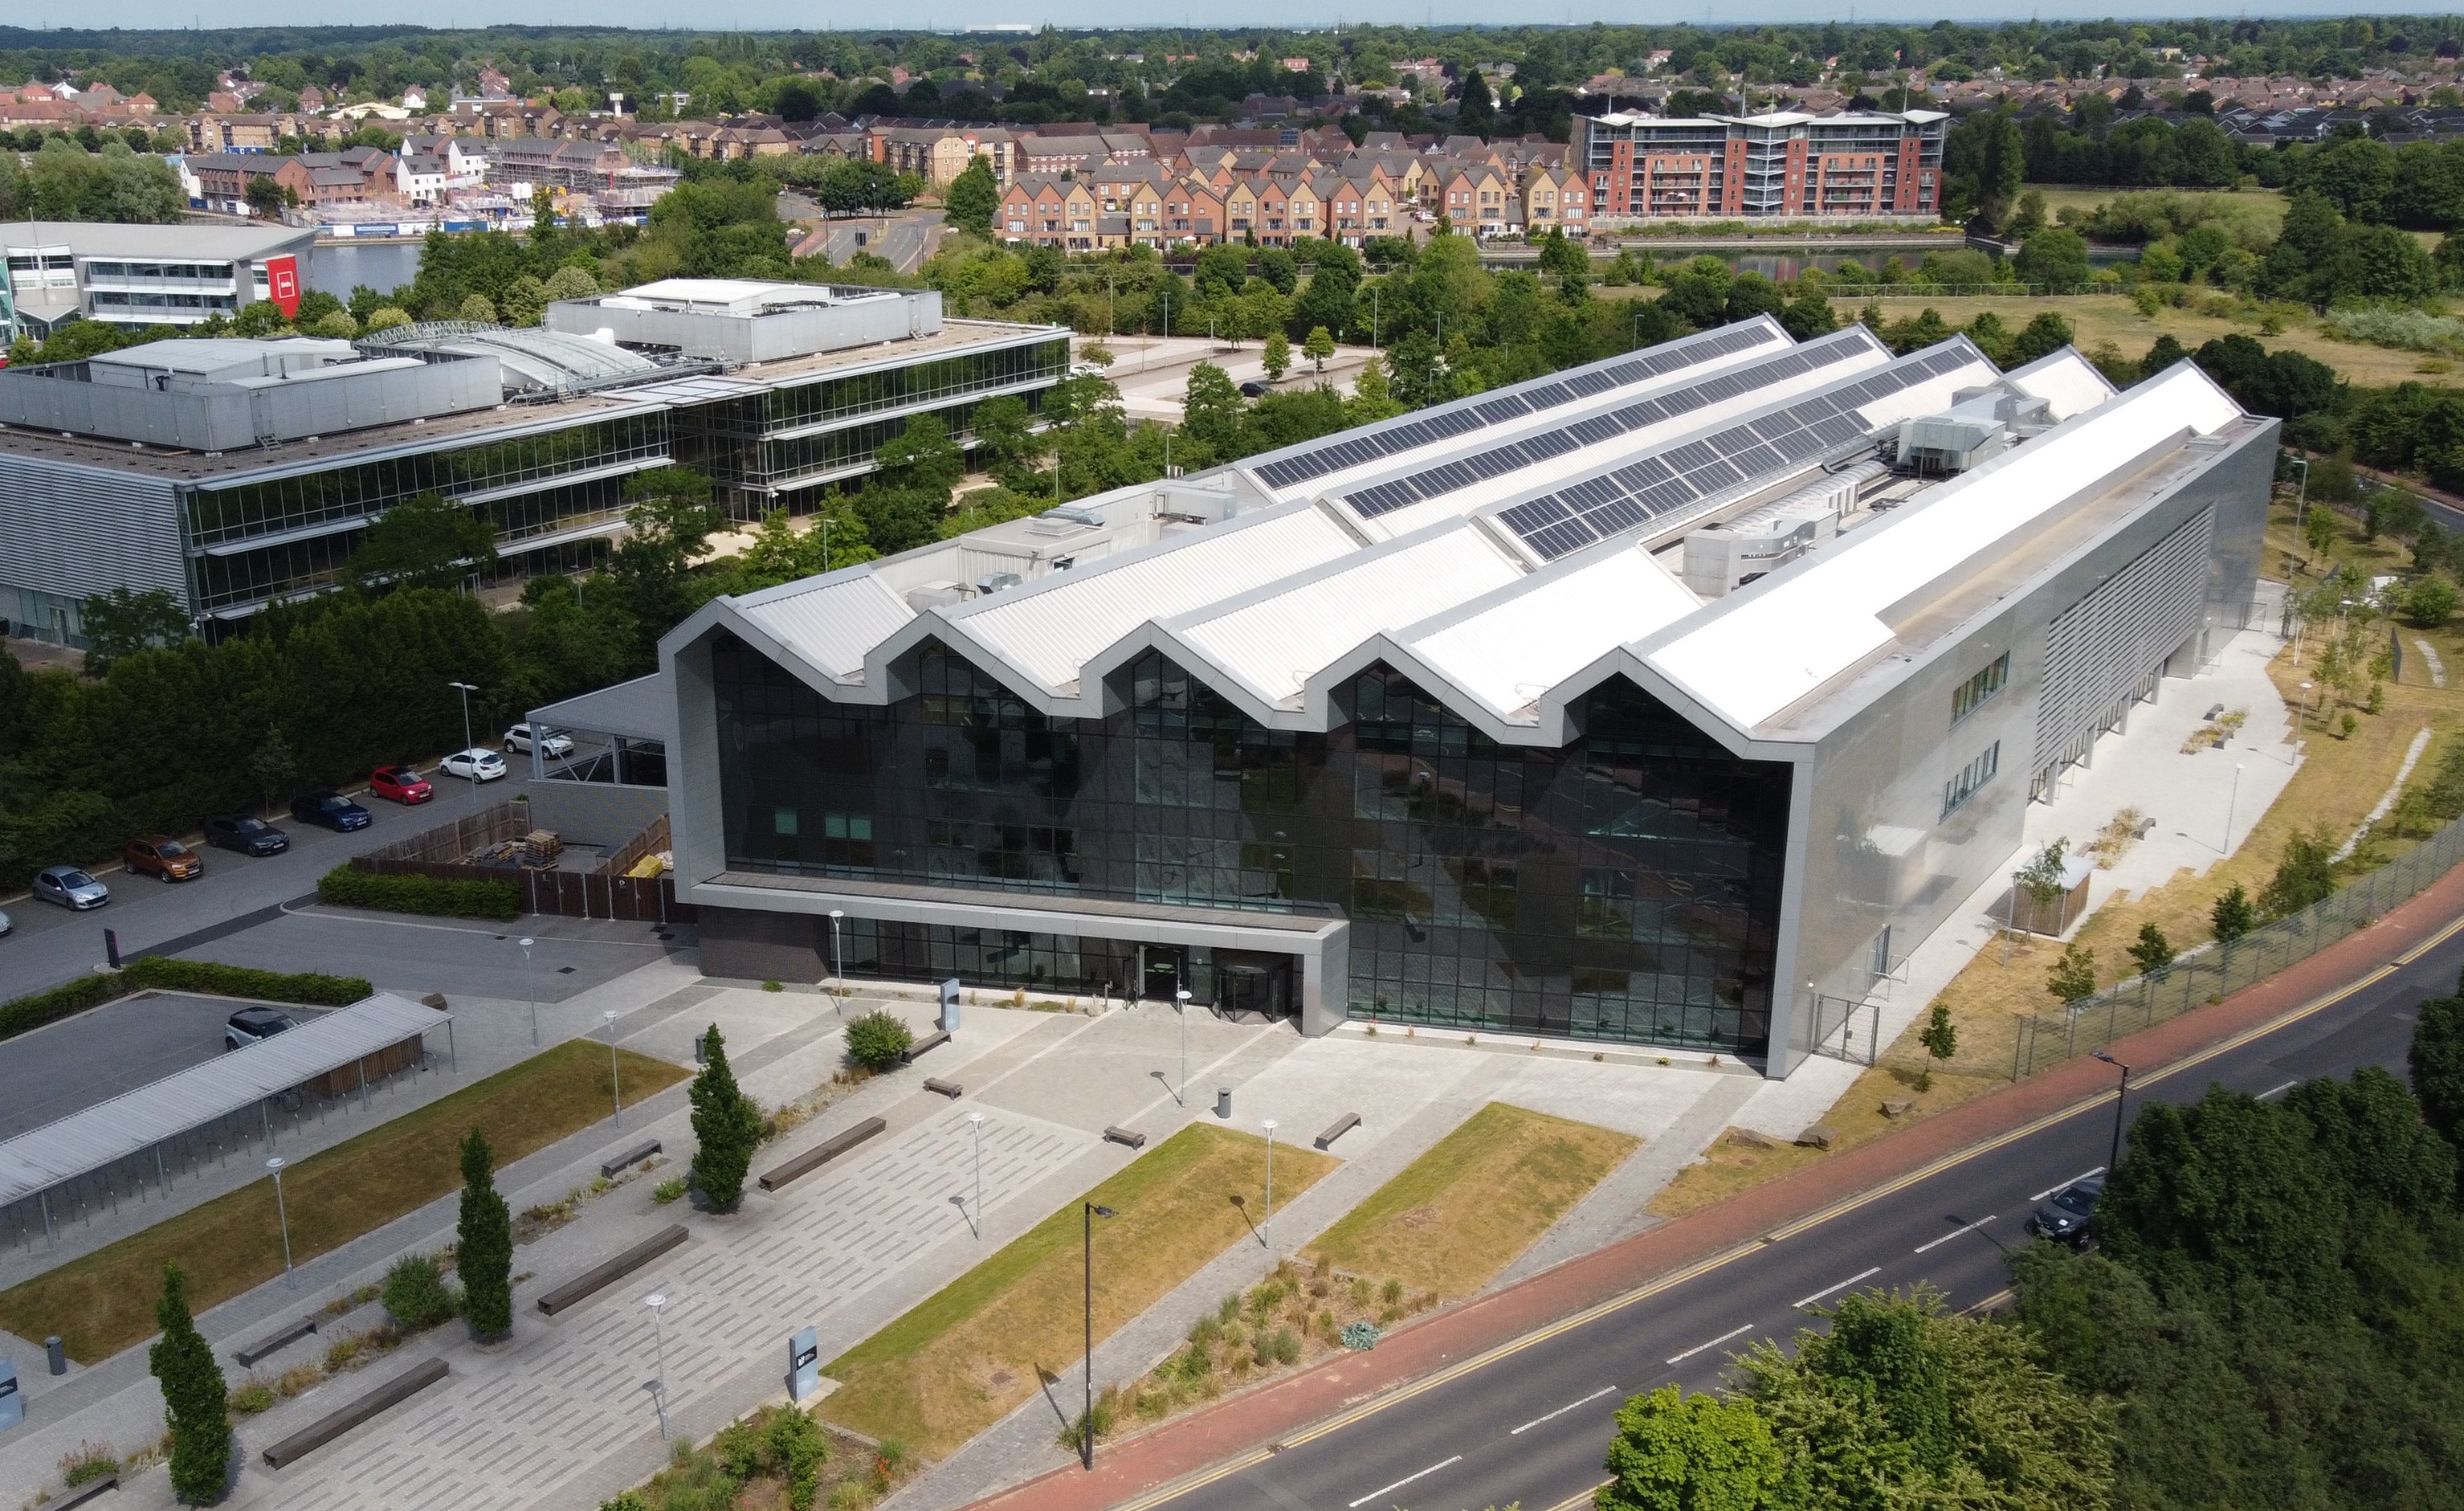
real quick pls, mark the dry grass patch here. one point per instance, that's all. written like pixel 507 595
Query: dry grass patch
pixel 1464 1211
pixel 2340 780
pixel 104 1302
pixel 967 1355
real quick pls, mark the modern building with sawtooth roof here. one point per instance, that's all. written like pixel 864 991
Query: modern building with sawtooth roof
pixel 1671 701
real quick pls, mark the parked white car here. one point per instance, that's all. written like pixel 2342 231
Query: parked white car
pixel 550 741
pixel 475 765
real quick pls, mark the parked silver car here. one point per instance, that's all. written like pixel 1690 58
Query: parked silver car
pixel 553 743
pixel 4 925
pixel 70 888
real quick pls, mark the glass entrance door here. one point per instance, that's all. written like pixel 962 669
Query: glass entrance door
pixel 1163 972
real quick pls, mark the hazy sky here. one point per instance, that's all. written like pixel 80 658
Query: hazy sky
pixel 819 15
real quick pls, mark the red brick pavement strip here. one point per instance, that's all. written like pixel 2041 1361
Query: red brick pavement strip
pixel 1418 1357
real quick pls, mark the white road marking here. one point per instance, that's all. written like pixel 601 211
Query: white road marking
pixel 2278 1091
pixel 1561 1411
pixel 1400 1483
pixel 1834 1290
pixel 2061 1185
pixel 1954 1232
pixel 1713 1344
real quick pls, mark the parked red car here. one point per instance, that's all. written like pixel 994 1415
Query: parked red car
pixel 401 783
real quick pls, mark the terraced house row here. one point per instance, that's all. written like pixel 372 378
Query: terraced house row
pixel 1148 206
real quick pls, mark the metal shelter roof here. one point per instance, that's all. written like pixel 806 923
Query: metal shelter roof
pixel 134 1122
pixel 641 709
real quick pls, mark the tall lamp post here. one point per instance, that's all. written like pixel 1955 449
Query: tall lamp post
pixel 613 1082
pixel 976 1125
pixel 1182 1095
pixel 2301 499
pixel 658 1385
pixel 1088 1212
pixel 838 977
pixel 2121 1095
pixel 2233 800
pixel 1267 1229
pixel 281 1216
pixel 466 690
pixel 531 991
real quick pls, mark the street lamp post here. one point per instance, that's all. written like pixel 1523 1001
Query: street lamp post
pixel 1267 1229
pixel 658 1385
pixel 530 989
pixel 975 1125
pixel 2121 1095
pixel 466 690
pixel 1088 1212
pixel 2302 498
pixel 283 1216
pixel 612 1079
pixel 1182 997
pixel 2231 801
pixel 837 976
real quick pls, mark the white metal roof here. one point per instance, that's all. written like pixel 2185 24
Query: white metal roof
pixel 134 1122
pixel 1510 650
pixel 1769 649
pixel 643 708
pixel 2067 381
pixel 1276 641
pixel 831 621
pixel 1052 629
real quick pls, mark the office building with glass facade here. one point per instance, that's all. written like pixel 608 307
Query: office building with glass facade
pixel 1423 722
pixel 234 473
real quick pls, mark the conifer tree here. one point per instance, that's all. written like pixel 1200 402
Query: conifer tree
pixel 484 1246
pixel 195 1400
pixel 726 1125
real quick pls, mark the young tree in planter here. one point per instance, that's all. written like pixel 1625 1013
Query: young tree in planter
pixel 726 1125
pixel 195 1397
pixel 484 1243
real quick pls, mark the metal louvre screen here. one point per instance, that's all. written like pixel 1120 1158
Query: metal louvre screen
pixel 2102 651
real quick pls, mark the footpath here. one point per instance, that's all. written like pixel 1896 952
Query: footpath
pixel 1146 1469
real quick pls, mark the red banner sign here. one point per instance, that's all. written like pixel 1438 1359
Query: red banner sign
pixel 282 285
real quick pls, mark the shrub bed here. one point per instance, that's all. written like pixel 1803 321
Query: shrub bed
pixel 348 886
pixel 156 972
pixel 876 1039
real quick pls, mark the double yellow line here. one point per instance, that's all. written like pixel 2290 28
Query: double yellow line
pixel 1839 1208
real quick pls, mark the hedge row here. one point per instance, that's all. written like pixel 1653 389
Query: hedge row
pixel 348 886
pixel 156 972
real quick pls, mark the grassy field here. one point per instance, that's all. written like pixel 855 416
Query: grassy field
pixel 1464 1211
pixel 967 1355
pixel 2339 782
pixel 104 1302
pixel 2259 207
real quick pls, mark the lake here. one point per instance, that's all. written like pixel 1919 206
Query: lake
pixel 381 266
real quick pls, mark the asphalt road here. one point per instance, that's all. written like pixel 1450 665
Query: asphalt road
pixel 1533 1426
pixel 50 944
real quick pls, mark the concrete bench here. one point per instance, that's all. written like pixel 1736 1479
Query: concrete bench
pixel 1338 1128
pixel 609 1272
pixel 628 1159
pixel 91 1490
pixel 930 1041
pixel 267 1347
pixel 1129 1136
pixel 326 1428
pixel 821 1153
pixel 947 1088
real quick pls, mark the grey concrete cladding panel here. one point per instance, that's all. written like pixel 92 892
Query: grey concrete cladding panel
pixel 235 418
pixel 78 531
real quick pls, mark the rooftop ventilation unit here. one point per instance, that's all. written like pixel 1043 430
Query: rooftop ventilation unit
pixel 1977 428
pixel 1722 557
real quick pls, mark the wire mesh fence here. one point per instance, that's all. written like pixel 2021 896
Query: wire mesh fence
pixel 2046 1039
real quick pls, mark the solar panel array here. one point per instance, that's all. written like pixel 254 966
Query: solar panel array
pixel 1511 405
pixel 1445 478
pixel 1675 479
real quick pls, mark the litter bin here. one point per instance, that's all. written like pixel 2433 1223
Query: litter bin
pixel 1223 1101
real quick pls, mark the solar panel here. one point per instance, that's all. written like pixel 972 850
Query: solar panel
pixel 1581 513
pixel 1341 455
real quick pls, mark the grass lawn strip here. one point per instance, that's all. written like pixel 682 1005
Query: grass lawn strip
pixel 964 1357
pixel 1459 1214
pixel 104 1302
pixel 2339 782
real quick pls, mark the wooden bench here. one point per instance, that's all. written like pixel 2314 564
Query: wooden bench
pixel 1338 1128
pixel 609 1272
pixel 326 1428
pixel 1129 1136
pixel 947 1088
pixel 821 1153
pixel 268 1348
pixel 628 1159
pixel 930 1041
pixel 90 1490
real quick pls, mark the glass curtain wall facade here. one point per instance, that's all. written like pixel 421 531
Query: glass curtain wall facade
pixel 244 511
pixel 1625 887
pixel 791 437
